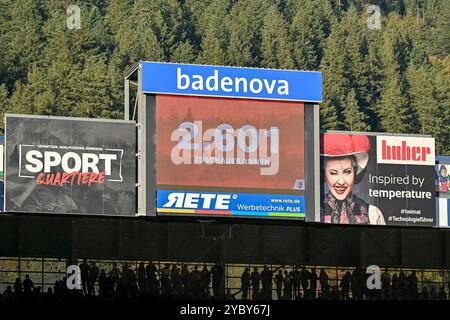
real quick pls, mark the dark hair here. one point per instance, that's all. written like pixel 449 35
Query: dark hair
pixel 351 157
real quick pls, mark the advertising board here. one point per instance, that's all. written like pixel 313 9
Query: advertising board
pixel 69 165
pixel 377 179
pixel 230 156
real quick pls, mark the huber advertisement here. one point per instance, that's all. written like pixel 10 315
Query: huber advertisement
pixel 69 165
pixel 230 157
pixel 377 179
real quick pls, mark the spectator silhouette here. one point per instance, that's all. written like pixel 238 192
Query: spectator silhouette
pixel 176 289
pixel 185 278
pixel 110 286
pixel 102 284
pixel 287 285
pixel 245 283
pixel 355 282
pixel 126 281
pixel 323 279
pixel 424 294
pixel 266 279
pixel 296 277
pixel 279 284
pixel 122 287
pixel 433 294
pixel 385 283
pixel 18 288
pixel 402 284
pixel 165 281
pixel 345 285
pixel 115 274
pixel 84 270
pixel 255 279
pixel 304 279
pixel 49 294
pixel 152 279
pixel 217 274
pixel 64 289
pixel 335 293
pixel 394 286
pixel 142 277
pixel 177 284
pixel 412 283
pixel 313 283
pixel 205 281
pixel 37 293
pixel 8 294
pixel 195 283
pixel 269 280
pixel 173 271
pixel 27 286
pixel 133 283
pixel 57 290
pixel 263 274
pixel 93 275
pixel 442 295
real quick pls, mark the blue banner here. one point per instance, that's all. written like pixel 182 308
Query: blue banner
pixel 232 82
pixel 226 203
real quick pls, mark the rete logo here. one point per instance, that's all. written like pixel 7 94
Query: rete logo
pixel 190 200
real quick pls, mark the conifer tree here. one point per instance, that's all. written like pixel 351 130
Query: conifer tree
pixel 276 50
pixel 22 39
pixel 4 103
pixel 245 23
pixel 442 85
pixel 354 119
pixel 393 107
pixel 375 75
pixel 310 27
pixel 184 53
pixel 215 35
pixel 335 68
pixel 328 117
pixel 441 31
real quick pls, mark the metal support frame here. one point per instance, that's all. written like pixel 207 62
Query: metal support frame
pixel 134 76
pixel 126 111
pixel 316 161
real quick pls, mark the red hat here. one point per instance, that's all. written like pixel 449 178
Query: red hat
pixel 341 144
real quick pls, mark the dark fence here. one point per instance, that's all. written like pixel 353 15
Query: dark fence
pixel 228 241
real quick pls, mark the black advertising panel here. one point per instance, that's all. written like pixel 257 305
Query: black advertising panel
pixel 70 165
pixel 377 179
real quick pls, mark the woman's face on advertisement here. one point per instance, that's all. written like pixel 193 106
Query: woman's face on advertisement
pixel 340 177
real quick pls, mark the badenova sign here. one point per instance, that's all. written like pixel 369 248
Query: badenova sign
pixel 198 80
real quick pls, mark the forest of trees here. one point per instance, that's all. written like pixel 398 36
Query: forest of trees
pixel 393 79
